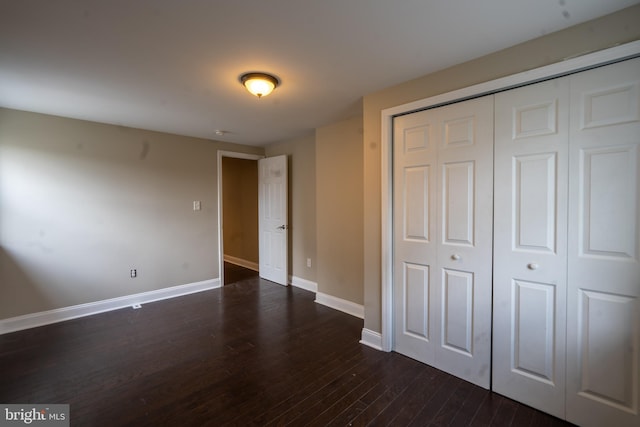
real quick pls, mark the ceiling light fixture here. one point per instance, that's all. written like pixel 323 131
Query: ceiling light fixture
pixel 259 84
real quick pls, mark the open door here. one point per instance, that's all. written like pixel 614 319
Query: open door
pixel 273 226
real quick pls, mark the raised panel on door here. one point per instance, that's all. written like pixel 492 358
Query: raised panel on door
pixel 457 311
pixel 535 202
pixel 608 324
pixel 415 293
pixel 603 312
pixel 464 239
pixel 533 328
pixel 414 227
pixel 530 220
pixel 458 202
pixel 415 203
pixel 608 196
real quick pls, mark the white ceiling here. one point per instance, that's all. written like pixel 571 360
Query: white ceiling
pixel 173 65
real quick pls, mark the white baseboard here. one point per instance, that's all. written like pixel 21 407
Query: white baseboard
pixel 242 262
pixel 33 320
pixel 305 284
pixel 340 304
pixel 371 338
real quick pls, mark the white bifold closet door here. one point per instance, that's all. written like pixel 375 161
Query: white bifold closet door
pixel 530 246
pixel 567 244
pixel 443 186
pixel 603 312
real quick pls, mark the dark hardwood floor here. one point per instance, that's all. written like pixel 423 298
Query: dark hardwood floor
pixel 250 353
pixel 235 273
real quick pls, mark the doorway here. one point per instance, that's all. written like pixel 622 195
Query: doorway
pixel 238 216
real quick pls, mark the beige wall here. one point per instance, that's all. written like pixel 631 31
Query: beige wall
pixel 82 203
pixel 598 34
pixel 302 203
pixel 339 209
pixel 240 208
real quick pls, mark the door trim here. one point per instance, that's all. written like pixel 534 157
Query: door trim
pixel 221 154
pixel 569 66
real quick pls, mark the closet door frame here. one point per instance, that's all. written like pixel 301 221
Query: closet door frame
pixel 607 56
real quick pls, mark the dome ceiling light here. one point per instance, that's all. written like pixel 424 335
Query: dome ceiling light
pixel 259 84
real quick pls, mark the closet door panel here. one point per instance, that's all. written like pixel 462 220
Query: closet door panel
pixel 415 159
pixel 530 220
pixel 464 238
pixel 603 333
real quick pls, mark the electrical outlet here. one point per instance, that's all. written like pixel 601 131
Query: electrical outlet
pixel 136 306
pixel 309 262
pixel 134 273
pixel 196 205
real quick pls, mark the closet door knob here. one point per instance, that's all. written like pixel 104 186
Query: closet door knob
pixel 532 266
pixel 455 257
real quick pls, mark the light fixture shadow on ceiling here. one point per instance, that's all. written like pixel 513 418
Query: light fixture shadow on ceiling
pixel 258 83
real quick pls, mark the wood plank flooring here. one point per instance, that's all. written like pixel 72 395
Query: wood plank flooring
pixel 234 273
pixel 250 353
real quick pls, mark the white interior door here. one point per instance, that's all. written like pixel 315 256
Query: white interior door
pixel 273 225
pixel 530 246
pixel 443 185
pixel 603 335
